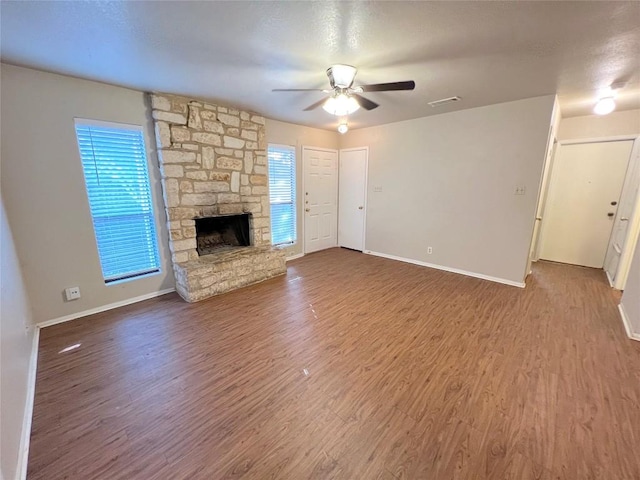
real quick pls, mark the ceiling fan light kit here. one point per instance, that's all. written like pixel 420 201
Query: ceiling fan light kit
pixel 341 105
pixel 341 76
pixel 604 106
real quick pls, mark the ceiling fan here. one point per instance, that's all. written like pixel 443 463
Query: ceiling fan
pixel 345 97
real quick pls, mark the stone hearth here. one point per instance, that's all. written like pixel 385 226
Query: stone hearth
pixel 213 161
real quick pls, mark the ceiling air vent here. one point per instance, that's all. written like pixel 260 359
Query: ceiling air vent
pixel 439 103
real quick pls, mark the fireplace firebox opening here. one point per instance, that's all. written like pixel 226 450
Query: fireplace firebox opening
pixel 222 232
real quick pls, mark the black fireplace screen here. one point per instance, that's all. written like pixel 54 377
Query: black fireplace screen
pixel 222 231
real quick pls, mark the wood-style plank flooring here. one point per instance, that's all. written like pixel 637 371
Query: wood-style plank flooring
pixel 349 367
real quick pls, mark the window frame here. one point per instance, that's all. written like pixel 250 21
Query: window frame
pixel 294 193
pixel 154 237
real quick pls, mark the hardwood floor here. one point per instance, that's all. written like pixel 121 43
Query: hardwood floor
pixel 349 367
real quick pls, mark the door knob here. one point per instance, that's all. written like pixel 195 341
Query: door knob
pixel 624 219
pixel 360 207
pixel 610 214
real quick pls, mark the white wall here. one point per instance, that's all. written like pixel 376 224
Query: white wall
pixel 631 297
pixel 626 122
pixel 448 182
pixel 44 191
pixel 298 136
pixel 16 343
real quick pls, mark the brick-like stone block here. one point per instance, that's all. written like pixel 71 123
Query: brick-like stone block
pixel 186 186
pixel 230 120
pixel 163 135
pixel 232 142
pixel 159 102
pixel 228 163
pixel 230 208
pixel 235 182
pixel 208 114
pixel 208 158
pixel 169 117
pixel 212 126
pixel 249 135
pixel 180 134
pixel 176 156
pixel 207 138
pixel 172 171
pixel 258 179
pixel 220 176
pixel 198 199
pixel 248 162
pixel 197 175
pixel 180 245
pixel 194 120
pixel 210 187
pixel 228 198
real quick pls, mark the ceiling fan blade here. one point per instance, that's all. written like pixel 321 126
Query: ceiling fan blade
pixel 297 90
pixel 387 87
pixel 365 102
pixel 315 105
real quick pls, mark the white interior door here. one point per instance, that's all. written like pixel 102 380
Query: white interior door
pixel 586 183
pixel 628 200
pixel 320 198
pixel 352 197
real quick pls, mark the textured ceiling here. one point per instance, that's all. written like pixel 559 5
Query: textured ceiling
pixel 236 52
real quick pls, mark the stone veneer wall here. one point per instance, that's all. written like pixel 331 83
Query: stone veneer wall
pixel 213 161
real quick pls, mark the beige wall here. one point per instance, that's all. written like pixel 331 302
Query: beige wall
pixel 44 191
pixel 631 296
pixel 448 182
pixel 598 126
pixel 16 343
pixel 298 136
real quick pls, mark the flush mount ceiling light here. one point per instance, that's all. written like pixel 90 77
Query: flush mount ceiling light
pixel 343 128
pixel 604 106
pixel 341 105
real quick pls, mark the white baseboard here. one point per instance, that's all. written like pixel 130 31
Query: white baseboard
pixel 609 279
pixel 448 269
pixel 627 324
pixel 23 456
pixel 294 257
pixel 104 308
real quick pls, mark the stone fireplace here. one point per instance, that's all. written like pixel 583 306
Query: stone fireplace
pixel 214 176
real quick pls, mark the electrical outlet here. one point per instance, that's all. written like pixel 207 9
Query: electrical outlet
pixel 72 293
pixel 429 250
pixel 520 190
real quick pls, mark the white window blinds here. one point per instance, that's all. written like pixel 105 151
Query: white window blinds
pixel 282 193
pixel 117 179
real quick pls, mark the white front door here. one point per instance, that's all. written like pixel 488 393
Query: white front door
pixel 628 201
pixel 320 198
pixel 352 197
pixel 586 182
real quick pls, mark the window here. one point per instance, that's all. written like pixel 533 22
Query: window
pixel 117 178
pixel 282 193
